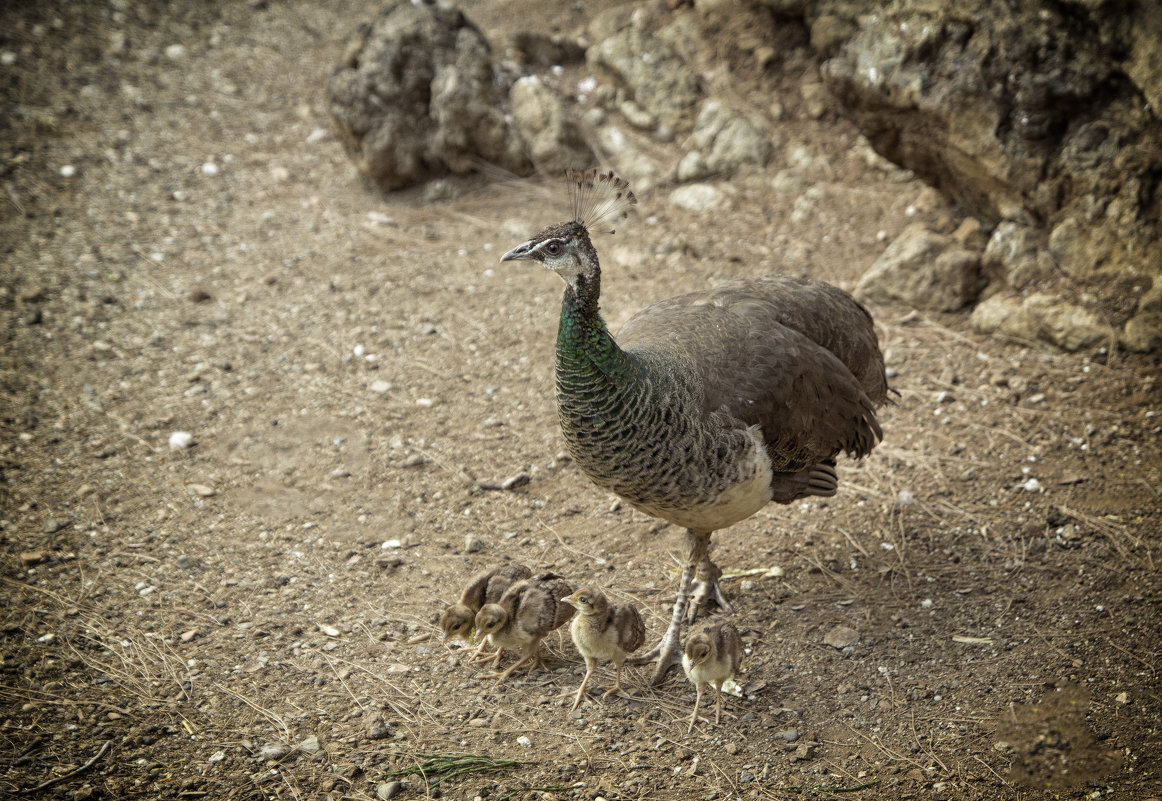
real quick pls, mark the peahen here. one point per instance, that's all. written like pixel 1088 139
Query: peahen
pixel 710 405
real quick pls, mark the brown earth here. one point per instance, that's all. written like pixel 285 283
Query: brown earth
pixel 224 621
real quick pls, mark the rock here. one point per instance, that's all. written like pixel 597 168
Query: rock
pixel 632 161
pixel 1002 314
pixel 1143 332
pixel 841 637
pixel 659 80
pixel 804 752
pixel 1015 256
pixel 790 735
pixel 32 558
pixel 728 139
pixel 179 440
pixel 377 728
pixel 52 526
pixel 692 167
pixel 816 99
pixel 203 491
pixel 923 269
pixel 473 544
pixel 697 198
pixel 387 790
pixel 311 745
pixel 379 386
pixel 1042 317
pixel 415 98
pixel 552 136
pixel 1067 325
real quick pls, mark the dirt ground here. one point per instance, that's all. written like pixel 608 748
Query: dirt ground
pixel 186 249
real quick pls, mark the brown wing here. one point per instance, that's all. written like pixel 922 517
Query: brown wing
pixel 487 586
pixel 798 359
pixel 631 631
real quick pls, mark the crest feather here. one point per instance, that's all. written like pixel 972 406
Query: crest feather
pixel 600 199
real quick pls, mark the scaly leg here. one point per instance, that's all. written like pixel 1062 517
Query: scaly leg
pixel 718 704
pixel 667 652
pixel 707 590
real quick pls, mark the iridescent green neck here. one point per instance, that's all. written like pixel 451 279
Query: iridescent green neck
pixel 584 344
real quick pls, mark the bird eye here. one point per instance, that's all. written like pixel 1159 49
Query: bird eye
pixel 553 248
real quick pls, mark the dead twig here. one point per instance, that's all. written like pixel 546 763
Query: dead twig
pixel 76 772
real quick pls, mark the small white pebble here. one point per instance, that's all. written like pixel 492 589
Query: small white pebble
pixel 68 171
pixel 906 498
pixel 927 603
pixel 180 440
pixel 358 351
pixel 175 51
pixel 427 403
pixel 524 742
pixel 391 544
pixel 7 58
pixel 210 168
pixel 1032 485
pixel 587 84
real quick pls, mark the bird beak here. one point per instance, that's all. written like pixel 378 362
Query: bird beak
pixel 521 251
pixel 568 599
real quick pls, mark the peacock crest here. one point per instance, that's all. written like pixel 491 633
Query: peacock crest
pixel 599 199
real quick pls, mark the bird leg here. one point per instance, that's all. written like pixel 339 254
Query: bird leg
pixel 589 666
pixel 479 656
pixel 697 702
pixel 707 590
pixel 718 703
pixel 616 685
pixel 667 652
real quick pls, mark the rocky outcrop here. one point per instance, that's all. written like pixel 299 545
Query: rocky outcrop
pixel 1037 117
pixel 416 97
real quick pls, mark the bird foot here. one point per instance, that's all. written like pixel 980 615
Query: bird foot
pixel 666 654
pixel 500 677
pixel 484 658
pixel 707 591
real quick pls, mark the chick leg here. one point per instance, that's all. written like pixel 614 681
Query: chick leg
pixel 616 688
pixel 500 677
pixel 479 656
pixel 697 703
pixel 718 704
pixel 667 652
pixel 589 666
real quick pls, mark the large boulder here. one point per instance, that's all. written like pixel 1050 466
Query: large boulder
pixel 416 97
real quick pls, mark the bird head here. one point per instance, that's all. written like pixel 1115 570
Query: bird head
pixel 490 618
pixel 565 249
pixel 587 601
pixel 698 648
pixel 598 200
pixel 457 621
